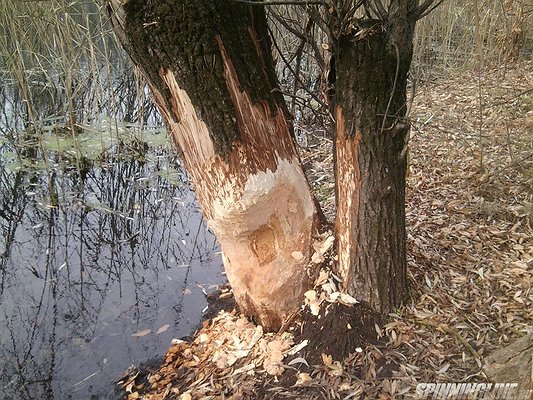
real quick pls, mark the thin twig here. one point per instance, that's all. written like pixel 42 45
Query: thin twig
pixel 451 331
pixel 425 8
pixel 281 2
pixel 314 96
pixel 501 103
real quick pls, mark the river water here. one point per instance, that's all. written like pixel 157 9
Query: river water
pixel 101 265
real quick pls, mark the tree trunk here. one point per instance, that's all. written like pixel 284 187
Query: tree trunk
pixel 209 67
pixel 371 65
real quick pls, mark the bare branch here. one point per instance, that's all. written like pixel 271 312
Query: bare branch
pixel 425 8
pixel 320 21
pixel 287 26
pixel 282 2
pixel 381 12
pixel 305 37
pixel 298 78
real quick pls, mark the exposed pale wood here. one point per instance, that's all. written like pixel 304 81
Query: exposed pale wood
pixel 258 204
pixel 348 190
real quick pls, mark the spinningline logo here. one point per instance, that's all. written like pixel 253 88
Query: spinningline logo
pixel 472 391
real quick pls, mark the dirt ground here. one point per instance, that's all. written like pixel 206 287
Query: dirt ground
pixel 470 258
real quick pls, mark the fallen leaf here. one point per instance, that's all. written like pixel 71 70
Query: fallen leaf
pixel 130 386
pixel 225 295
pixel 304 379
pixel 347 300
pixel 335 369
pixel 327 244
pixel 327 359
pixel 315 308
pixel 310 295
pixel 298 347
pixel 322 278
pixel 164 328
pixel 203 338
pixel 247 368
pixel 142 333
pixel 334 296
pixel 298 360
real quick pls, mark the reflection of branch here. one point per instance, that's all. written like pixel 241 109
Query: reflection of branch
pixel 303 101
pixel 13 219
pixel 107 246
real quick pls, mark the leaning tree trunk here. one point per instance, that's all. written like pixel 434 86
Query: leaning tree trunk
pixel 371 66
pixel 209 67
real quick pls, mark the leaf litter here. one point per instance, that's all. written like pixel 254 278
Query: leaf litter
pixel 470 257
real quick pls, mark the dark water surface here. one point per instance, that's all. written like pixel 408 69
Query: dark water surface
pixel 100 268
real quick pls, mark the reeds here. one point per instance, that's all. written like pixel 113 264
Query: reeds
pixel 447 39
pixel 65 77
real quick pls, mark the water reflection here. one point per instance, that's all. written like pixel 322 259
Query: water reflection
pixel 99 271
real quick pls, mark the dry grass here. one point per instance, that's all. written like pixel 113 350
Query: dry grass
pixel 457 33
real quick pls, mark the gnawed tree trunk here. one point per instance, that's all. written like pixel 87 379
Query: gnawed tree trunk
pixel 209 67
pixel 371 64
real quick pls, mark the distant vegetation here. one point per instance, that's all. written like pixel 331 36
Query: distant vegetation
pixel 64 72
pixel 460 33
pixel 69 91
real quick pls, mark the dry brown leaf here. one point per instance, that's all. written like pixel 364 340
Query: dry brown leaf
pixel 142 333
pixel 164 328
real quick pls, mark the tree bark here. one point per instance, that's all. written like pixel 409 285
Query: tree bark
pixel 371 65
pixel 209 66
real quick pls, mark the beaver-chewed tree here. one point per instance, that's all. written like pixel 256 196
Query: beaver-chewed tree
pixel 210 69
pixel 371 60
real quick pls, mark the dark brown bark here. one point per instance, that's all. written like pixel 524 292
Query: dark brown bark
pixel 371 64
pixel 210 69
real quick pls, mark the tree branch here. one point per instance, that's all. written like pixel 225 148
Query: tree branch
pixel 282 2
pixel 381 12
pixel 319 21
pixel 424 9
pixel 303 36
pixel 298 79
